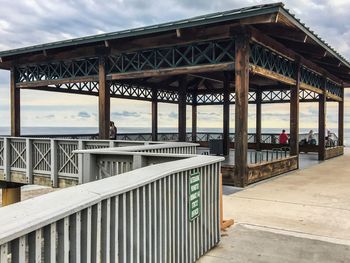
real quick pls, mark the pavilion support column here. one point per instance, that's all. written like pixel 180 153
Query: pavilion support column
pixel 294 115
pixel 15 106
pixel 226 116
pixel 154 115
pixel 341 121
pixel 322 124
pixel 11 195
pixel 241 109
pixel 194 119
pixel 182 108
pixel 104 101
pixel 258 120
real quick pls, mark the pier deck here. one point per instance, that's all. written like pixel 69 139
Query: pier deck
pixel 299 217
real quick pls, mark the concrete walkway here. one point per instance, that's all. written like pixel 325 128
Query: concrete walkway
pixel 303 216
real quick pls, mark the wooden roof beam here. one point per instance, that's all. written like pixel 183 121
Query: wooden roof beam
pixel 278 47
pixel 283 32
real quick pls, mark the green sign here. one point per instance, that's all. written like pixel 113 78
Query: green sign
pixel 194 196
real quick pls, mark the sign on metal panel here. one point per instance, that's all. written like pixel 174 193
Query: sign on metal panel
pixel 194 196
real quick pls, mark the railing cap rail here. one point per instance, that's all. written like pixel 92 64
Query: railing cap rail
pixel 22 218
pixel 140 148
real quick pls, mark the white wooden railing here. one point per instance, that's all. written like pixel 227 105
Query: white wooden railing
pixel 138 216
pixel 55 158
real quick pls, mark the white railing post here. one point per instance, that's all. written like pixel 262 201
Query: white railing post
pixel 81 146
pixel 7 159
pixel 90 168
pixel 111 144
pixel 54 163
pixel 29 161
pixel 138 161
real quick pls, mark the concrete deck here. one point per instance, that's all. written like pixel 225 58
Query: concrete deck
pixel 303 216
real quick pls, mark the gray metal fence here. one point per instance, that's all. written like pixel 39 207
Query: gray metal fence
pixel 255 157
pixel 139 216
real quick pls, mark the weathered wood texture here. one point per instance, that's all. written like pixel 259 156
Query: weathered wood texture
pixel 278 47
pixel 44 180
pixel 226 116
pixel 172 71
pixel 241 107
pixel 182 108
pixel 258 119
pixel 154 115
pixel 333 152
pixel 321 126
pixel 270 146
pixel 263 171
pixel 104 102
pixel 341 122
pixel 294 114
pixel 259 172
pixel 228 175
pixel 15 106
pixel 194 122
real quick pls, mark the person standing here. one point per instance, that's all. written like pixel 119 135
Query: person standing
pixel 112 131
pixel 283 138
pixel 311 138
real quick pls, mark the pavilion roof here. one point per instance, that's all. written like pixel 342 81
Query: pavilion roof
pixel 282 30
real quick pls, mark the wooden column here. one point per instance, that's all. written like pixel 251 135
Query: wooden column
pixel 194 118
pixel 226 116
pixel 294 114
pixel 182 108
pixel 241 109
pixel 322 123
pixel 104 101
pixel 15 106
pixel 11 195
pixel 258 120
pixel 341 120
pixel 154 115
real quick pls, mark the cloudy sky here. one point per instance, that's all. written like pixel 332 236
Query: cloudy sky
pixel 28 22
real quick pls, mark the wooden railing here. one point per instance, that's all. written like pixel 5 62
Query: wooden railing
pixel 55 158
pixel 267 138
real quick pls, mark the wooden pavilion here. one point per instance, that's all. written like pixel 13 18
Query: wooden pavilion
pixel 254 55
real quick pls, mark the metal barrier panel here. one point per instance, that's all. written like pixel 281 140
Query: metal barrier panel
pixel 149 222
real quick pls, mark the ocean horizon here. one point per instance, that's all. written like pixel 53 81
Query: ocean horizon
pixel 94 130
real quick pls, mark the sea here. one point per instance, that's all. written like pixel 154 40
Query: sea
pixel 93 130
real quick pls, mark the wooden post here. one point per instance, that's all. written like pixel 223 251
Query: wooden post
pixel 15 106
pixel 182 108
pixel 322 123
pixel 258 120
pixel 294 114
pixel 11 195
pixel 226 116
pixel 104 101
pixel 241 106
pixel 341 120
pixel 194 121
pixel 154 115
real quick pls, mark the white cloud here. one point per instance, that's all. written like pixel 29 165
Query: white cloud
pixel 28 22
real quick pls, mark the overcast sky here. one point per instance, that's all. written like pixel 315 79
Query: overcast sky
pixel 28 22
